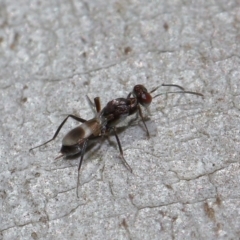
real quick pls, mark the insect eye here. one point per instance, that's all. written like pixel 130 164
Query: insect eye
pixel 142 95
pixel 145 99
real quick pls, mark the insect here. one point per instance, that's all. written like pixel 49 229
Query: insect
pixel 105 122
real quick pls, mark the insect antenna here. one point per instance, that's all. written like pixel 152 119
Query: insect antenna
pixel 167 85
pixel 90 102
pixel 174 85
pixel 188 92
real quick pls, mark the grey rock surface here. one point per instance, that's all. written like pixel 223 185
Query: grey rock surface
pixel 185 182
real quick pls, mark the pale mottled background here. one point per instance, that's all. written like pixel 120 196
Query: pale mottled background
pixel 185 182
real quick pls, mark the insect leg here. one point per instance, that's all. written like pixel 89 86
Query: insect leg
pixel 129 95
pixel 141 115
pixel 59 128
pixel 121 151
pixel 167 85
pixel 80 163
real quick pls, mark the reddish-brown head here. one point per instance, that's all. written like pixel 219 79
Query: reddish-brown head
pixel 142 95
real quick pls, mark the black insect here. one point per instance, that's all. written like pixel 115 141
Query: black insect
pixel 105 122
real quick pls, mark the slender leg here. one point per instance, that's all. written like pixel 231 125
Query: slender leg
pixel 121 151
pixel 81 160
pixel 141 115
pixel 59 128
pixel 129 95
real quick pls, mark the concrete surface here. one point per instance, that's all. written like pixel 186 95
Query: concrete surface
pixel 185 182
